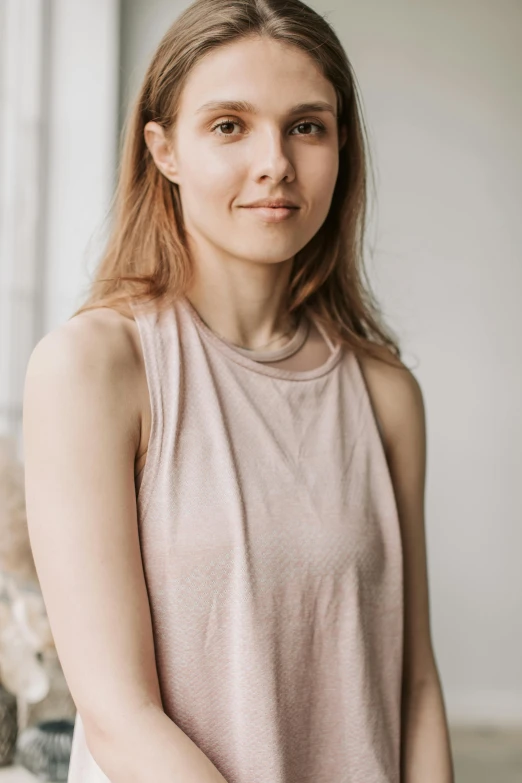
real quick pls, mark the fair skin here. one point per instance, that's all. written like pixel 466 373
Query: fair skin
pixel 242 262
pixel 87 417
pixel 399 407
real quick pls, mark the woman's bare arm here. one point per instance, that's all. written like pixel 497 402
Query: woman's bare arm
pixel 425 737
pixel 81 427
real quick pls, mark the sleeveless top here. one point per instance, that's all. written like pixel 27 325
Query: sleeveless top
pixel 272 555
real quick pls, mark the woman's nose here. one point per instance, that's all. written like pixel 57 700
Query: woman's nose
pixel 272 158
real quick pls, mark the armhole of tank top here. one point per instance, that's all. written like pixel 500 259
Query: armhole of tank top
pixel 146 331
pixel 369 405
pixel 375 426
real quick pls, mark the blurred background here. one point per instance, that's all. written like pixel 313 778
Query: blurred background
pixel 440 83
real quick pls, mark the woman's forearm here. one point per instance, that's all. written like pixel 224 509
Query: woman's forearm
pixel 148 746
pixel 426 744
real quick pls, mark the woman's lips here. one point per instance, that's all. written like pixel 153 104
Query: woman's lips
pixel 273 214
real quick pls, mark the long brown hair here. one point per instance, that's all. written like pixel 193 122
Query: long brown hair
pixel 146 255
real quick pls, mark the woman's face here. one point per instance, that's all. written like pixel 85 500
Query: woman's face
pixel 224 158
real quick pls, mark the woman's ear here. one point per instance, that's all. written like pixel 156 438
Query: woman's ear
pixel 161 150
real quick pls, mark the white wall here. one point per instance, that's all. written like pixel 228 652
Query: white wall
pixel 441 90
pixel 23 55
pixel 58 143
pixel 441 85
pixel 142 26
pixel 82 153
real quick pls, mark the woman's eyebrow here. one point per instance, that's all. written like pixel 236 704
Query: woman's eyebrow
pixel 245 106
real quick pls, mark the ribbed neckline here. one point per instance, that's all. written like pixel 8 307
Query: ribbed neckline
pixel 246 358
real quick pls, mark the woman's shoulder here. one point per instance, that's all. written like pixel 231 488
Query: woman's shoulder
pixel 395 393
pixel 100 337
pixel 97 349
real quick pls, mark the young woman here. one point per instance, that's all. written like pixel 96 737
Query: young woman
pixel 225 455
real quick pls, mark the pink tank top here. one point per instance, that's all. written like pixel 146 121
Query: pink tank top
pixel 272 553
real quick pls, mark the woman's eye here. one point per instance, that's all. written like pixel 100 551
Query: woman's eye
pixel 317 125
pixel 221 124
pixel 224 123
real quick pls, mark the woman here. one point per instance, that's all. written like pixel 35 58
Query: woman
pixel 225 455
